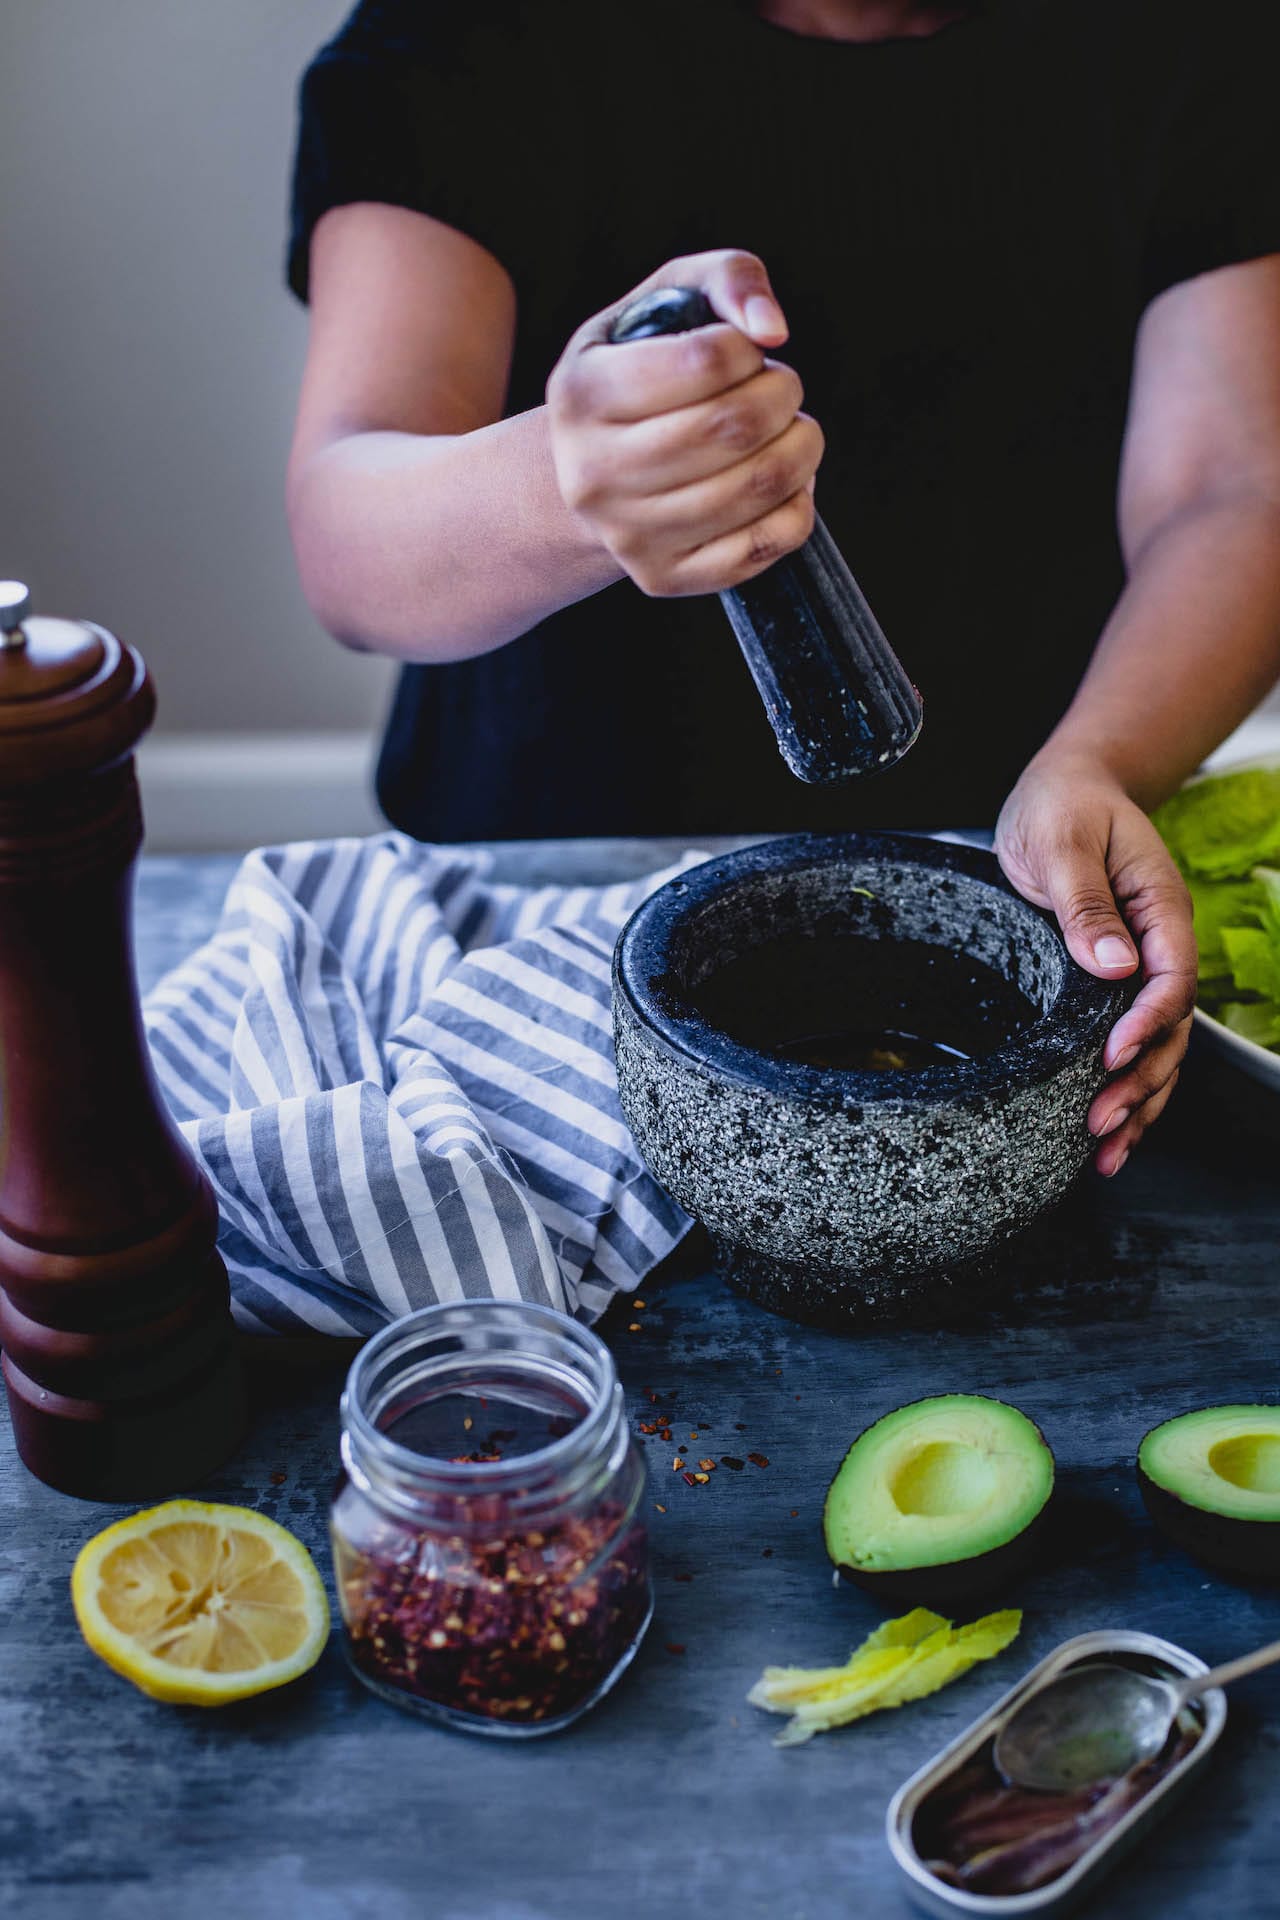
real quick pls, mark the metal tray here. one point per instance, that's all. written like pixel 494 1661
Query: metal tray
pixel 1060 1894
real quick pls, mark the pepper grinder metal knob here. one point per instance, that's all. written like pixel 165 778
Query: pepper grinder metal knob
pixel 835 692
pixel 119 1355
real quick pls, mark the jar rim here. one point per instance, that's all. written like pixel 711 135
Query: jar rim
pixel 391 1461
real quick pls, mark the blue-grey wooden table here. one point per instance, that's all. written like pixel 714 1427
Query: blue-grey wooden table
pixel 320 1803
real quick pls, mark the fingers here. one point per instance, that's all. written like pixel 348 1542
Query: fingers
pixel 737 286
pixel 1160 913
pixel 679 447
pixel 1163 1006
pixel 1116 1148
pixel 1128 1092
pixel 596 380
pixel 735 282
pixel 744 553
pixel 1073 841
pixel 618 385
pixel 687 456
pixel 742 494
pixel 1077 887
pixel 675 542
pixel 1145 1048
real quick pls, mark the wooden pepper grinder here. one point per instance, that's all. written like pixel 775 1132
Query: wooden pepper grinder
pixel 119 1355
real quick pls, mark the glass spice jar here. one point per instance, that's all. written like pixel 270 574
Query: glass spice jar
pixel 492 1568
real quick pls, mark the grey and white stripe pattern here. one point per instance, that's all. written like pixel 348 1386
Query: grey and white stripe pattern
pixel 399 1077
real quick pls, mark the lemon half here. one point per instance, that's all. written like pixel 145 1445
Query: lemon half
pixel 200 1604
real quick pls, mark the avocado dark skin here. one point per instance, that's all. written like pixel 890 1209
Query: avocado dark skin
pixel 956 1582
pixel 1250 1547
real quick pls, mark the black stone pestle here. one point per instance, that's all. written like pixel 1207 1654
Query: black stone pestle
pixel 833 688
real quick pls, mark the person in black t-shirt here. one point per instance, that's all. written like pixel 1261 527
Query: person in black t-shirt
pixel 1018 253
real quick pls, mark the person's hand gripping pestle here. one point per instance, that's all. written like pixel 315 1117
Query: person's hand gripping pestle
pixel 695 466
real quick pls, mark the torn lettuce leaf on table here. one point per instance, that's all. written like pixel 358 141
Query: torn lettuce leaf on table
pixel 902 1660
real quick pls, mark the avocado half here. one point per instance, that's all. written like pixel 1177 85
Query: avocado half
pixel 1211 1482
pixel 939 1500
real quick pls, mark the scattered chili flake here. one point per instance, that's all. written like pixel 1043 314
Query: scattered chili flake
pixel 683 1577
pixel 676 1464
pixel 278 1479
pixel 694 1434
pixel 767 1553
pixel 732 1461
pixel 797 1396
pixel 795 1513
pixel 688 1479
pixel 674 1646
pixel 702 1478
pixel 758 1459
pixel 708 1466
pixel 649 1394
pixel 739 1426
pixel 664 1433
pixel 658 1504
pixel 647 1426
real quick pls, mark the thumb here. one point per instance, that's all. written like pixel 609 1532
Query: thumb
pixel 737 285
pixel 1080 894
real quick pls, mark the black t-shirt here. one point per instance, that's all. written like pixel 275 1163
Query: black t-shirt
pixel 964 231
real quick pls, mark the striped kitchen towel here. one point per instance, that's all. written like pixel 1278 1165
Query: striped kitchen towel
pixel 399 1077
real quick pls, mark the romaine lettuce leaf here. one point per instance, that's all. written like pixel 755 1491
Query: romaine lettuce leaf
pixel 1256 1020
pixel 1219 904
pixel 1267 880
pixel 1224 833
pixel 1221 827
pixel 1254 959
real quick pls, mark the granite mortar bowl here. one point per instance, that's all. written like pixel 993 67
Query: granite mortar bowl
pixel 847 1195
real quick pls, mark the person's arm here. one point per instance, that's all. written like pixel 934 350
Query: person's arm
pixel 428 527
pixel 1193 645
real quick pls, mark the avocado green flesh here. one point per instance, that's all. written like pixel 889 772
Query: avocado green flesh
pixel 938 1481
pixel 1222 1460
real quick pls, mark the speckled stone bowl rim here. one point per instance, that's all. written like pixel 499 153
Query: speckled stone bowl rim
pixel 1081 1014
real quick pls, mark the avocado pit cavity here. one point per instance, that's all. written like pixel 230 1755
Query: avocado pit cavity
pixel 1250 1461
pixel 943 1480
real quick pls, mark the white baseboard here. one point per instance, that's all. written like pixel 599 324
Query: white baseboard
pixel 226 792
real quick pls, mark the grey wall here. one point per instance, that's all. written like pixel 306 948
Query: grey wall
pixel 149 355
